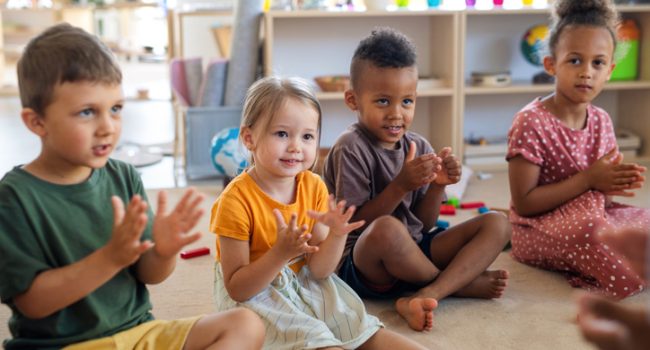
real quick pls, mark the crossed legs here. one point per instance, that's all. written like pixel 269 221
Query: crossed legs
pixel 385 252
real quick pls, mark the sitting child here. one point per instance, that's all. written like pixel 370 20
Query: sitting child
pixel 280 236
pixel 564 164
pixel 73 270
pixel 397 182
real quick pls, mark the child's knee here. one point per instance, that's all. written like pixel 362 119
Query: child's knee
pixel 248 316
pixel 386 231
pixel 242 318
pixel 499 225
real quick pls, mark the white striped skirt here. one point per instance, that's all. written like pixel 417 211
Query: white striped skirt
pixel 301 312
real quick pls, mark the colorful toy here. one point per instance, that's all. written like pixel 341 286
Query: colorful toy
pixel 447 209
pixel 627 51
pixel 442 223
pixel 533 49
pixel 453 201
pixel 483 210
pixel 228 156
pixel 193 253
pixel 472 205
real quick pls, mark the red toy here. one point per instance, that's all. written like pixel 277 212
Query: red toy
pixel 447 209
pixel 472 205
pixel 193 253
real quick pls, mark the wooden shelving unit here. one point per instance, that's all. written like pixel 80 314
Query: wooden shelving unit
pixel 313 43
pixel 491 42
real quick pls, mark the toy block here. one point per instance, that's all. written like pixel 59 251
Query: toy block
pixel 442 224
pixel 193 253
pixel 472 205
pixel 447 209
pixel 483 210
pixel 454 201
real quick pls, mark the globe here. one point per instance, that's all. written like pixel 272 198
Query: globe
pixel 228 157
pixel 533 44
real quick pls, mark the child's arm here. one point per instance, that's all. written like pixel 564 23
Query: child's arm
pixel 606 175
pixel 415 173
pixel 55 289
pixel 170 234
pixel 244 279
pixel 330 244
pixel 428 208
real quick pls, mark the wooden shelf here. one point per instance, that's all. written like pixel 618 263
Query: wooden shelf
pixel 520 87
pixel 326 41
pixel 517 87
pixel 336 96
pixel 356 14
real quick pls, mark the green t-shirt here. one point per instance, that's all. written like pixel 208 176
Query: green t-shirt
pixel 45 226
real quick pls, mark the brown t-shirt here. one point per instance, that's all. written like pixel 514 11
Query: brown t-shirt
pixel 357 169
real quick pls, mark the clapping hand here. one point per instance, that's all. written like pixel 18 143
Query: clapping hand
pixel 171 231
pixel 292 240
pixel 613 177
pixel 450 171
pixel 417 171
pixel 337 217
pixel 125 246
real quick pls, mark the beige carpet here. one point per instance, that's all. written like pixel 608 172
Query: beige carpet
pixel 537 311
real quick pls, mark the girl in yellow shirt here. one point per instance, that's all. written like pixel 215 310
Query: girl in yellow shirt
pixel 280 236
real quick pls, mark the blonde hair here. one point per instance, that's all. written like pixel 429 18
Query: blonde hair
pixel 267 95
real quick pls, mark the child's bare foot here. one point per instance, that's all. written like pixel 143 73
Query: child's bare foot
pixel 418 312
pixel 488 285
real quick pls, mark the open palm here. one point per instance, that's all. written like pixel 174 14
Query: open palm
pixel 337 217
pixel 171 231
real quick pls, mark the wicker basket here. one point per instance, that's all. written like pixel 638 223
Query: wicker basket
pixel 333 83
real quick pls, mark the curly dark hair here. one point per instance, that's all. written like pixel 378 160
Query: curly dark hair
pixel 595 13
pixel 385 47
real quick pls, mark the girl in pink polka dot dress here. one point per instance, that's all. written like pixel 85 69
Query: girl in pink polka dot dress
pixel 564 164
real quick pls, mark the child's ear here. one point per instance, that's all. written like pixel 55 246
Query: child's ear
pixel 611 69
pixel 246 135
pixel 549 65
pixel 33 121
pixel 351 99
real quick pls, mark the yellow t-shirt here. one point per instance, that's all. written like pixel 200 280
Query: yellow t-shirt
pixel 244 212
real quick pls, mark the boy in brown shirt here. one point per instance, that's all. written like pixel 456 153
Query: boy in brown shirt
pixel 397 182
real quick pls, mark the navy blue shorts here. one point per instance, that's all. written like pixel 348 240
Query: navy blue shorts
pixel 349 273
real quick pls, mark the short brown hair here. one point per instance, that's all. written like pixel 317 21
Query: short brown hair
pixel 62 53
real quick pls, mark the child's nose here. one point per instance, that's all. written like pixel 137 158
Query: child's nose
pixel 294 144
pixel 107 124
pixel 586 73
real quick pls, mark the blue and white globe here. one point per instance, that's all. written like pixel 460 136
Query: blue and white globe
pixel 228 157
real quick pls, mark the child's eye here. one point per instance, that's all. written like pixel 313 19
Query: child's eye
pixel 382 102
pixel 116 109
pixel 309 137
pixel 88 112
pixel 281 134
pixel 599 62
pixel 574 61
pixel 407 102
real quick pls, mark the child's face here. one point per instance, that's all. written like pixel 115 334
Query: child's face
pixel 81 127
pixel 288 144
pixel 384 99
pixel 582 63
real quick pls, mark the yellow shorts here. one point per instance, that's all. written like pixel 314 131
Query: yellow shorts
pixel 150 335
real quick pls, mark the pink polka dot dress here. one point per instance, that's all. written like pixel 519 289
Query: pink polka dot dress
pixel 564 238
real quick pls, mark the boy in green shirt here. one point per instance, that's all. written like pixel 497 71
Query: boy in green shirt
pixel 72 270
